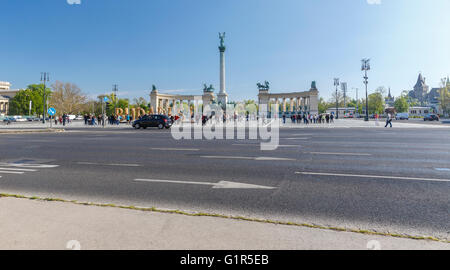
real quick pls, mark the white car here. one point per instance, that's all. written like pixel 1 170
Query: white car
pixel 402 116
pixel 20 119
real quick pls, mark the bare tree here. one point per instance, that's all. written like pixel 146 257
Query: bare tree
pixel 67 98
pixel 340 99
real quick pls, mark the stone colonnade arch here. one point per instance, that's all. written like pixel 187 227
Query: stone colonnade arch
pixel 165 103
pixel 306 102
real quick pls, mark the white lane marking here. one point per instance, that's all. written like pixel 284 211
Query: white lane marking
pixel 343 154
pixel 14 169
pixel 274 159
pixel 375 176
pixel 227 157
pixel 246 144
pixel 295 138
pixel 250 158
pixel 108 164
pixel 442 169
pixel 221 184
pixel 25 165
pixel 11 172
pixel 175 149
pixel 255 144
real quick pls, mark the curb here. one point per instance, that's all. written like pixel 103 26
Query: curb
pixel 238 218
pixel 31 131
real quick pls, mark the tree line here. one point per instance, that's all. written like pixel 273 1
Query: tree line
pixel 67 98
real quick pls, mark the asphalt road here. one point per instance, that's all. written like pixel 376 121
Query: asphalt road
pixel 390 180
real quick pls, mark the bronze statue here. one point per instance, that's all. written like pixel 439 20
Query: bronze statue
pixel 153 87
pixel 222 38
pixel 265 86
pixel 208 89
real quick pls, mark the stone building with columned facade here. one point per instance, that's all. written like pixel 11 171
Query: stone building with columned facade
pixel 306 102
pixel 5 95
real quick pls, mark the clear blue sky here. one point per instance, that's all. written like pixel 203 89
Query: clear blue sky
pixel 173 44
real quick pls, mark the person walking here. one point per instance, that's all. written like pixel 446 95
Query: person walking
pixel 284 118
pixel 388 120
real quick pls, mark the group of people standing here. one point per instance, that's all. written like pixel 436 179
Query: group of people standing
pixel 310 118
pixel 62 119
pixel 93 120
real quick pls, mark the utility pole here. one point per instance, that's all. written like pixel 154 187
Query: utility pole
pixel 365 67
pixel 45 77
pixel 115 90
pixel 336 83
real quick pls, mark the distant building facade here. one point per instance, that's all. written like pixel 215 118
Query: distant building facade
pixel 427 98
pixel 343 112
pixel 5 95
pixel 389 100
pixel 420 111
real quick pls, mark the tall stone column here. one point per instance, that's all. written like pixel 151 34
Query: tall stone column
pixel 222 97
pixel 154 101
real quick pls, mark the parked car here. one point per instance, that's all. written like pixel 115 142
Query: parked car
pixel 402 116
pixel 9 119
pixel 20 119
pixel 431 117
pixel 155 120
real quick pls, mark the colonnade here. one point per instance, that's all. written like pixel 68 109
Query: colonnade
pixel 290 104
pixel 4 107
pixel 296 102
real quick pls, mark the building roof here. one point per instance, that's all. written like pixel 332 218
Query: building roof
pixel 5 85
pixel 420 81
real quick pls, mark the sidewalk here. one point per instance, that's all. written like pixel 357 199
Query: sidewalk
pixel 354 123
pixel 33 224
pixel 340 123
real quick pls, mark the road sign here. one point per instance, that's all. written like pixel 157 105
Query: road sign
pixel 51 111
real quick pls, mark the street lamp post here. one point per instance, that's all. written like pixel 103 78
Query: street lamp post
pixel 365 67
pixel 115 90
pixel 45 77
pixel 336 83
pixel 344 92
